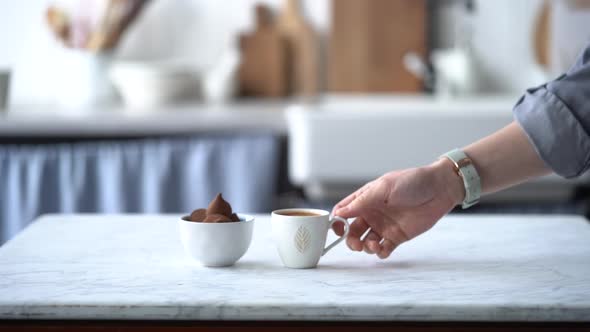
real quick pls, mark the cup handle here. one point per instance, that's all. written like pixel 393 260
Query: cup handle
pixel 346 229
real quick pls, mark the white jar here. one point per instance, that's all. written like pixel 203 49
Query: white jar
pixel 81 80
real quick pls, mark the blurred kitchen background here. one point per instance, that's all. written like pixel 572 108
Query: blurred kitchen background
pixel 112 106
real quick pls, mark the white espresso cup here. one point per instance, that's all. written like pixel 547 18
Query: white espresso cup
pixel 300 235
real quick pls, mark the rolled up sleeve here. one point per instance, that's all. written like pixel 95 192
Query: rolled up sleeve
pixel 556 119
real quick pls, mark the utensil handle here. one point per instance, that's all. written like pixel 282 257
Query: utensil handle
pixel 346 229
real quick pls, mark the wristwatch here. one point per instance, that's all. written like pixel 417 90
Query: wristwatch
pixel 466 170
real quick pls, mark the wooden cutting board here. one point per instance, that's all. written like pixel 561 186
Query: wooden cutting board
pixel 368 41
pixel 542 36
pixel 263 68
pixel 303 50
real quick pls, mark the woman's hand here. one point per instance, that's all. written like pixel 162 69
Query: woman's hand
pixel 399 206
pixel 404 204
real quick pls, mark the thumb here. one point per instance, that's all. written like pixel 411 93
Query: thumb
pixel 353 209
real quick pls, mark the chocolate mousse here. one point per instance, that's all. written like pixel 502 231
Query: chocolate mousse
pixel 219 206
pixel 216 218
pixel 198 215
pixel 218 211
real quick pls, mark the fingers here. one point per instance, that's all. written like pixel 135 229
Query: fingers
pixel 357 229
pixel 360 205
pixel 371 243
pixel 347 200
pixel 374 243
pixel 394 237
pixel 338 228
pixel 387 247
pixel 354 208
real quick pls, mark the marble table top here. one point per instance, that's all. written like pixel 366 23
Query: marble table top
pixel 467 268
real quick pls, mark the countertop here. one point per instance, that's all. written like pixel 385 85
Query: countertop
pixel 45 121
pixel 243 115
pixel 467 268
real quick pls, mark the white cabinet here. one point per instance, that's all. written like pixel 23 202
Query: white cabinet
pixel 344 141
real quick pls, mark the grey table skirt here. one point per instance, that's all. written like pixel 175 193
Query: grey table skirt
pixel 144 176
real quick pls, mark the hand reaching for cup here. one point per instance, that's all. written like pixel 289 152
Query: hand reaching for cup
pixel 399 206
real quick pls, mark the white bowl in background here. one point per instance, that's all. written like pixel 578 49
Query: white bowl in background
pixel 149 84
pixel 217 244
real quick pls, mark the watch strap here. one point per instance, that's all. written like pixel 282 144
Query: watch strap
pixel 466 170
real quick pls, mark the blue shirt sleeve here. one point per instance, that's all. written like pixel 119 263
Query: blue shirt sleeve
pixel 556 119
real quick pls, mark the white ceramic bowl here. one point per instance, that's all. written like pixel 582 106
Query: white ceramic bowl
pixel 147 85
pixel 217 244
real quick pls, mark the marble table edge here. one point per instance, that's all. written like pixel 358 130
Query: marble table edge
pixel 299 313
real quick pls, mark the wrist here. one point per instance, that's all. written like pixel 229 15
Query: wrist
pixel 449 182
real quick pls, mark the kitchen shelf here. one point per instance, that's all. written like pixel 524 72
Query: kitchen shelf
pixel 245 115
pixel 45 121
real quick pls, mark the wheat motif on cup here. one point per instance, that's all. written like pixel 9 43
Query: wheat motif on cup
pixel 302 239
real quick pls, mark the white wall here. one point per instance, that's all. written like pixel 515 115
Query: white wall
pixel 195 29
pixel 201 29
pixel 504 43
